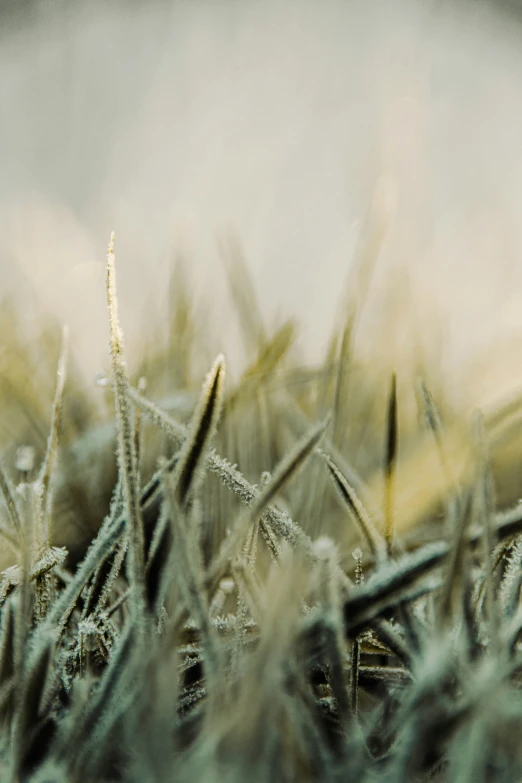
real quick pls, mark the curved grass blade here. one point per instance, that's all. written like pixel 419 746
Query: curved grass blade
pixel 392 584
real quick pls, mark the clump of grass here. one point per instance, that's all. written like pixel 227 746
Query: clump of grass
pixel 211 630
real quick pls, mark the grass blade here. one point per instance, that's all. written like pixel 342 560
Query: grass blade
pixel 390 466
pixel 7 490
pixel 43 482
pixel 126 442
pixel 283 473
pixel 201 431
pixel 356 508
pixel 243 292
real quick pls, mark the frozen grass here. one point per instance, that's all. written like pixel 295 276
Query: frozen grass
pixel 267 622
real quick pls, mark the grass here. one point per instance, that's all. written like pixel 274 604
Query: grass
pixel 173 614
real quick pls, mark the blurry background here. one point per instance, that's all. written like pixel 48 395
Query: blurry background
pixel 365 151
pixel 174 123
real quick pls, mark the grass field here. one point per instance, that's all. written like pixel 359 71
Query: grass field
pixel 260 498
pixel 209 587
